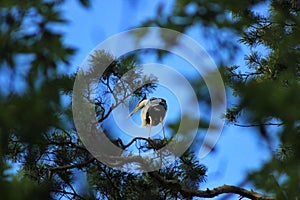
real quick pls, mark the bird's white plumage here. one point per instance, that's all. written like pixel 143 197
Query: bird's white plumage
pixel 153 111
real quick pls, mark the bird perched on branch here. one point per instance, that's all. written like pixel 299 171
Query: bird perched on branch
pixel 153 112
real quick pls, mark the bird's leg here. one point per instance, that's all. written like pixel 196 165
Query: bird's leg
pixel 163 129
pixel 150 127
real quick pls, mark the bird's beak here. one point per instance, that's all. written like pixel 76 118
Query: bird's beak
pixel 134 111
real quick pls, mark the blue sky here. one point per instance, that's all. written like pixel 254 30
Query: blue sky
pixel 238 150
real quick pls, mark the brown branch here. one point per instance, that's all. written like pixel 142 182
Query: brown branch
pixel 225 189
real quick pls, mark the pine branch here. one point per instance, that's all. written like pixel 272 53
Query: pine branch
pixel 67 143
pixel 225 189
pixel 118 161
pixel 67 194
pixel 172 183
pixel 254 125
pixel 70 166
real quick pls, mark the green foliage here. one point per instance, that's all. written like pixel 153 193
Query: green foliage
pixel 31 52
pixel 20 187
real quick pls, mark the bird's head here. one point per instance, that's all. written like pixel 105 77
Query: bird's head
pixel 139 106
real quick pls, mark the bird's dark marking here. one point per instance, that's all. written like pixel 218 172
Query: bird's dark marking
pixel 157 111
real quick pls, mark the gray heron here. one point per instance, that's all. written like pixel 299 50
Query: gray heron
pixel 153 112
